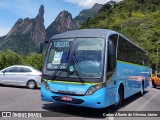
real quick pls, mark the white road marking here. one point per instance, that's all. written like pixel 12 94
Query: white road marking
pixel 142 106
pixel 111 118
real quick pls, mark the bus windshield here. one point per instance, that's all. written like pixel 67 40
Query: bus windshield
pixel 75 58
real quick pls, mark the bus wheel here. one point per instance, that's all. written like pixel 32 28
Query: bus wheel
pixel 153 84
pixel 120 99
pixel 142 89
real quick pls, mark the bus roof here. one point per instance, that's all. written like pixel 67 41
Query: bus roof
pixel 91 33
pixel 84 33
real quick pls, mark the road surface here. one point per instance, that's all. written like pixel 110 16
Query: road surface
pixel 23 99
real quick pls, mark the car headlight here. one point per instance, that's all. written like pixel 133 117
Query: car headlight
pixel 94 88
pixel 45 84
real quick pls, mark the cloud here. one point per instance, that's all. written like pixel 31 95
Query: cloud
pixel 88 3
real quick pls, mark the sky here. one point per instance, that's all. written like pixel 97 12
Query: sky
pixel 12 10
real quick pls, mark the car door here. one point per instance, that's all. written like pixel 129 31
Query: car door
pixel 23 75
pixel 1 76
pixel 8 75
pixel 158 80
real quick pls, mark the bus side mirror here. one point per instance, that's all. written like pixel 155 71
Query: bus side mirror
pixel 42 46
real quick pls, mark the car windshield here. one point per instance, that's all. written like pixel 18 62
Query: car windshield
pixel 71 58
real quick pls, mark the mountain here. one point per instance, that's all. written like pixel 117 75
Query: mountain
pixel 25 35
pixel 139 20
pixel 64 21
pixel 85 14
pixel 2 39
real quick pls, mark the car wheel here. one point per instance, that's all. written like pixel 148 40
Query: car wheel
pixel 31 84
pixel 153 84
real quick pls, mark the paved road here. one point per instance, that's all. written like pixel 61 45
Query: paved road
pixel 23 99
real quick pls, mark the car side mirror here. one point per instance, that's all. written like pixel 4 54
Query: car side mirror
pixel 3 71
pixel 42 46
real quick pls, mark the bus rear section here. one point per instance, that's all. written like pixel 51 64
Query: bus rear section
pixel 93 68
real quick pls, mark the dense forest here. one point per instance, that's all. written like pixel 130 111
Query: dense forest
pixel 139 20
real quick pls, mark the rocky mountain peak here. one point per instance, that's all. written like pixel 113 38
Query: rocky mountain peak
pixel 85 14
pixel 39 33
pixel 26 33
pixel 63 22
pixel 41 10
pixel 63 15
pixel 96 7
pixel 40 14
pixel 22 26
pixel 34 27
pixel 64 12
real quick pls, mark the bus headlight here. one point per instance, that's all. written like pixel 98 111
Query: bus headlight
pixel 94 88
pixel 45 84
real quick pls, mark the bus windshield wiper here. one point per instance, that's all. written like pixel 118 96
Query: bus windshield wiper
pixel 78 69
pixel 55 72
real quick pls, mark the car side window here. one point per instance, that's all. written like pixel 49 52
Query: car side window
pixel 23 69
pixel 13 69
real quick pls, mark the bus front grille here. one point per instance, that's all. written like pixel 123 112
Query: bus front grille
pixel 74 100
pixel 67 92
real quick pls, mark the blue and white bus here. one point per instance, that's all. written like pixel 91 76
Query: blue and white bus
pixel 93 68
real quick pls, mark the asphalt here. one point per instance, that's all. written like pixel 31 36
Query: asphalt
pixel 22 99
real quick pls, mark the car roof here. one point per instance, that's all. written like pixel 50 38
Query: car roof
pixel 20 66
pixel 30 67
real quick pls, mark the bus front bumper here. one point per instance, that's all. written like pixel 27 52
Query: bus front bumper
pixel 97 100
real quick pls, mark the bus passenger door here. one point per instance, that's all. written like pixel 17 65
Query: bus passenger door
pixel 111 69
pixel 111 66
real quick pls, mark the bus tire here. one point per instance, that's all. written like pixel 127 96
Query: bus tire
pixel 120 99
pixel 142 89
pixel 153 84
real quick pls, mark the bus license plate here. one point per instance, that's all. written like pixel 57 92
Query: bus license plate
pixel 66 98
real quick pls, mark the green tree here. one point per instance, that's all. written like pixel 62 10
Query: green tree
pixel 34 60
pixel 9 58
